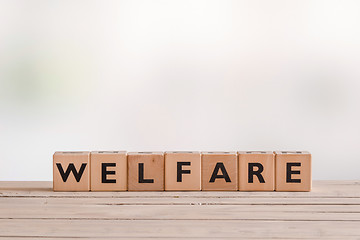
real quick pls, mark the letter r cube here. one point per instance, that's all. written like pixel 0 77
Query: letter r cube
pixel 256 171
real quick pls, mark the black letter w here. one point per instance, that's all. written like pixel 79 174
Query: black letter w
pixel 71 168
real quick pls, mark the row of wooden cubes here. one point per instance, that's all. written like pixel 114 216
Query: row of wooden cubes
pixel 182 171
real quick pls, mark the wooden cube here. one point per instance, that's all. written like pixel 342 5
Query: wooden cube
pixel 182 171
pixel 293 171
pixel 256 171
pixel 219 171
pixel 71 171
pixel 108 171
pixel 145 171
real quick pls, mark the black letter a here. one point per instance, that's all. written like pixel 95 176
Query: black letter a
pixel 71 168
pixel 220 166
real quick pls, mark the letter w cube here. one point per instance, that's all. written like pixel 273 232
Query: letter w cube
pixel 71 171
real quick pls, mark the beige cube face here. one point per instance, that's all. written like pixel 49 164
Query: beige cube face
pixel 108 171
pixel 219 171
pixel 71 171
pixel 182 171
pixel 256 171
pixel 145 171
pixel 293 171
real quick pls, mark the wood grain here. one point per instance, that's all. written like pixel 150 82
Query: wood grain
pixel 31 210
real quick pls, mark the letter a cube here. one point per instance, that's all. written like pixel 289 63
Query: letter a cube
pixel 219 171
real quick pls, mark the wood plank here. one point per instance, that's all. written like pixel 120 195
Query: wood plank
pixel 321 189
pixel 183 201
pixel 181 212
pixel 181 229
pixel 132 238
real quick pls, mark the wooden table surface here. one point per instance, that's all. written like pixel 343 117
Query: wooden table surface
pixel 31 210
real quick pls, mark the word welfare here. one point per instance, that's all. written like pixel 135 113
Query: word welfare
pixel 182 171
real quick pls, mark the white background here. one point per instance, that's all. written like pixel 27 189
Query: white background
pixel 179 75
